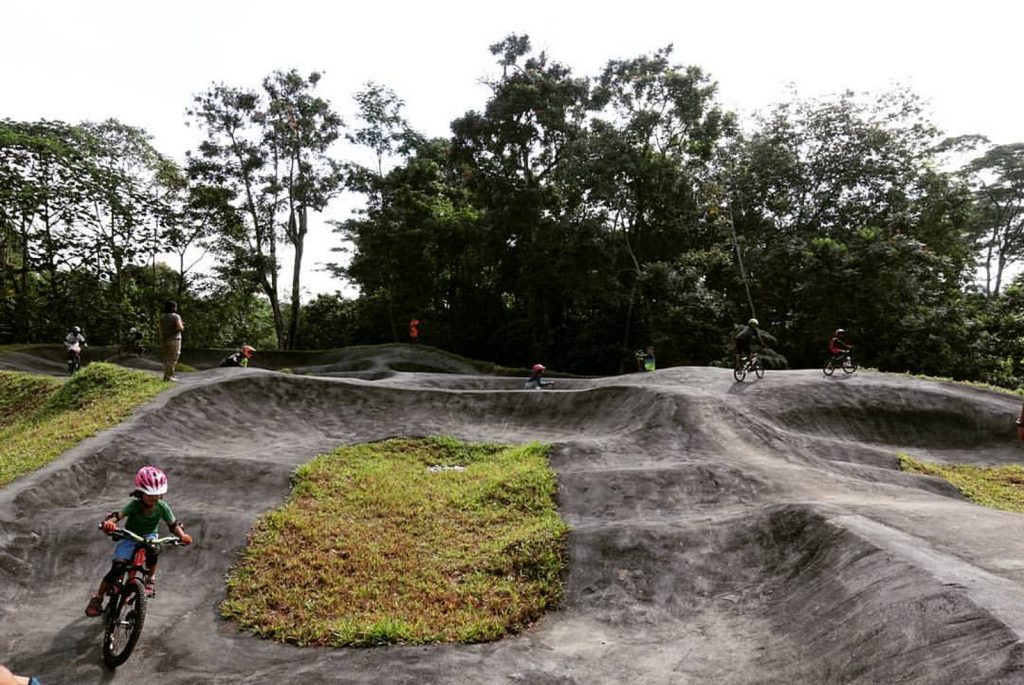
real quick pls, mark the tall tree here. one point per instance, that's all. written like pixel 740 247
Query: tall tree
pixel 998 179
pixel 656 132
pixel 511 153
pixel 384 133
pixel 821 184
pixel 269 150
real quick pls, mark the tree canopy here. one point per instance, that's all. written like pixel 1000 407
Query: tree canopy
pixel 567 219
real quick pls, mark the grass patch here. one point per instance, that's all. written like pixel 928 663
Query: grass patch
pixel 998 487
pixel 1017 392
pixel 17 347
pixel 405 541
pixel 41 417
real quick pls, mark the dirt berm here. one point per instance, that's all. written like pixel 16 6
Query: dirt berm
pixel 721 532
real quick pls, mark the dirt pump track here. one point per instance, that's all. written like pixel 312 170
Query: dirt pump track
pixel 721 532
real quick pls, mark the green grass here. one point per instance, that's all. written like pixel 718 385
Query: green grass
pixel 405 541
pixel 998 487
pixel 971 384
pixel 17 347
pixel 41 416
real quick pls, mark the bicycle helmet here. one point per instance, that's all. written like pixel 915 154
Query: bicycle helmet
pixel 752 322
pixel 151 481
pixel 538 367
pixel 76 329
pixel 840 331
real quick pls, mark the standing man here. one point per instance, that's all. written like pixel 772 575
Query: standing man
pixel 414 330
pixel 171 327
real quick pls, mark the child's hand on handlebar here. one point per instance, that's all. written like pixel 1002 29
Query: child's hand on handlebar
pixel 108 526
pixel 185 538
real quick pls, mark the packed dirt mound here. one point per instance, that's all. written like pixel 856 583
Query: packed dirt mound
pixel 370 362
pixel 722 532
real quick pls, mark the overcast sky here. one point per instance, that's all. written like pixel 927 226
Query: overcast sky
pixel 142 61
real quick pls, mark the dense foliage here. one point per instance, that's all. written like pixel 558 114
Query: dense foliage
pixel 568 219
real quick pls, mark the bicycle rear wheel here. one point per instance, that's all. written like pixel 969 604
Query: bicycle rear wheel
pixel 740 372
pixel 829 368
pixel 125 617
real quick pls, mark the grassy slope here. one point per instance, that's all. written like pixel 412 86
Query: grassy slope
pixel 999 487
pixel 41 416
pixel 405 541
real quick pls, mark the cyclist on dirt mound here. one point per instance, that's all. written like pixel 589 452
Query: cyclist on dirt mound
pixel 744 339
pixel 536 380
pixel 240 358
pixel 143 514
pixel 74 341
pixel 837 345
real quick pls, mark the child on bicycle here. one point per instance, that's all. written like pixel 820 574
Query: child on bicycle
pixel 837 346
pixel 536 380
pixel 143 515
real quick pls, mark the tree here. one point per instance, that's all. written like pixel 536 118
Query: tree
pixel 269 151
pixel 655 135
pixel 838 205
pixel 384 133
pixel 999 204
pixel 510 155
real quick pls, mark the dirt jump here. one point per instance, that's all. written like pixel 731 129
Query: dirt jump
pixel 722 532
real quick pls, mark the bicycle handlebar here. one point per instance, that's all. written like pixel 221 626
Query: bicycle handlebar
pixel 122 533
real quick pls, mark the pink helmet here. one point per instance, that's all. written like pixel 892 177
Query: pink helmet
pixel 151 480
pixel 538 367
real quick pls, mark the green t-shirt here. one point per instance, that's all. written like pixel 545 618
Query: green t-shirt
pixel 141 524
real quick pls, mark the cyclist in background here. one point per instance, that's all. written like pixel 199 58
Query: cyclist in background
pixel 837 345
pixel 74 341
pixel 744 339
pixel 536 380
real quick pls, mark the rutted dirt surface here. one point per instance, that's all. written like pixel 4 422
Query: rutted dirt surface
pixel 721 532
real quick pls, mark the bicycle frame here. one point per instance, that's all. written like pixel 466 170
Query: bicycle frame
pixel 751 364
pixel 140 565
pixel 126 609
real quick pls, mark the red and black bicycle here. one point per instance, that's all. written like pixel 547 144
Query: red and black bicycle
pixel 126 607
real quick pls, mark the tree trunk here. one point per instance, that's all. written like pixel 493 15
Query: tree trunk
pixel 298 240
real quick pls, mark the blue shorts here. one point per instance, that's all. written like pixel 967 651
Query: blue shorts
pixel 125 549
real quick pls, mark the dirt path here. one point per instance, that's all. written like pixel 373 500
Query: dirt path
pixel 725 533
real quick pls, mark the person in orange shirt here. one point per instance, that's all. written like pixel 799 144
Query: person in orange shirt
pixel 414 331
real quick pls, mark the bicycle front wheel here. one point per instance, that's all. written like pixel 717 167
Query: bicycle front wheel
pixel 758 369
pixel 849 366
pixel 125 617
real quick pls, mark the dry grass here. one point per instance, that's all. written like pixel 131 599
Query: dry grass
pixel 405 541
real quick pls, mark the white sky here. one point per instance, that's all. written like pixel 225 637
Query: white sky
pixel 142 61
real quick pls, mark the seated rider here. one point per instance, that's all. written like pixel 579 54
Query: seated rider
pixel 536 381
pixel 645 359
pixel 744 339
pixel 837 346
pixel 135 338
pixel 143 514
pixel 247 353
pixel 74 341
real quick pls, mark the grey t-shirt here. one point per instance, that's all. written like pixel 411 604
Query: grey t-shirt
pixel 169 326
